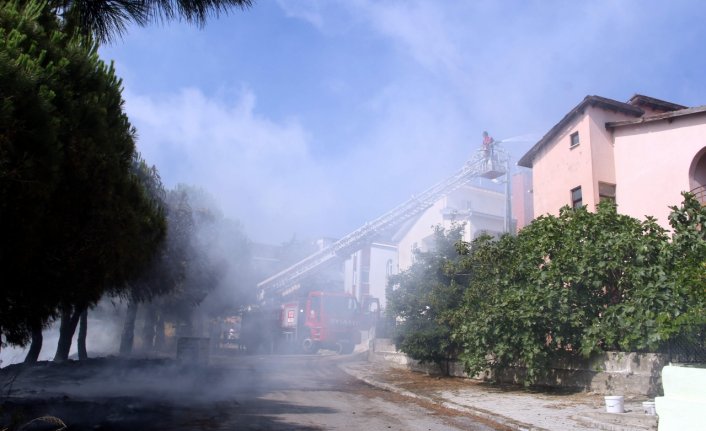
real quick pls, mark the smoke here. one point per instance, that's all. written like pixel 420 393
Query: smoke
pixel 359 104
pixel 310 118
pixel 218 278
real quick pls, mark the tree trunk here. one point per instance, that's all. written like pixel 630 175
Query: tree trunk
pixel 127 338
pixel 36 346
pixel 69 321
pixel 159 336
pixel 82 332
pixel 148 330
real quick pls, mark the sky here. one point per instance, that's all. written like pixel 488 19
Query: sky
pixel 308 118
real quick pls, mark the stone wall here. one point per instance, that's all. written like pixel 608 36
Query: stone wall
pixel 630 374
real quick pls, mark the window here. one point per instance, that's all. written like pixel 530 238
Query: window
pixel 574 139
pixel 606 192
pixel 315 307
pixel 576 198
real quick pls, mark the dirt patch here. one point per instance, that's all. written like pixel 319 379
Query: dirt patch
pixel 462 418
pixel 430 384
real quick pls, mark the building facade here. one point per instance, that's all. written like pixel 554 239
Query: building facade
pixel 367 270
pixel 640 154
pixel 480 210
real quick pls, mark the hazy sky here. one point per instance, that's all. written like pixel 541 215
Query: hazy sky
pixel 312 117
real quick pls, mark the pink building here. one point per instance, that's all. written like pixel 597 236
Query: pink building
pixel 641 154
pixel 522 205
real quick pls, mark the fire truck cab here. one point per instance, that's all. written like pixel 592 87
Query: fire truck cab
pixel 321 320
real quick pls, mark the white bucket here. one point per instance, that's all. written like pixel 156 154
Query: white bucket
pixel 615 404
pixel 649 408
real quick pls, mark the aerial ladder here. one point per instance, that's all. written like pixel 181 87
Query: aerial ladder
pixel 489 162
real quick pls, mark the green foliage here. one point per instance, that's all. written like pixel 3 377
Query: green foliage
pixel 689 260
pixel 75 218
pixel 548 291
pixel 574 284
pixel 422 297
pixel 668 298
pixel 105 19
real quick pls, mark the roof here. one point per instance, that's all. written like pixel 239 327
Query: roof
pixel 654 104
pixel 589 101
pixel 665 116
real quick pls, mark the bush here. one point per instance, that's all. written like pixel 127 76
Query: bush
pixel 573 284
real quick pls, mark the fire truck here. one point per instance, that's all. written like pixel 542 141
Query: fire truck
pixel 320 320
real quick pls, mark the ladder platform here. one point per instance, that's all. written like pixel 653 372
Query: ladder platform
pixel 492 173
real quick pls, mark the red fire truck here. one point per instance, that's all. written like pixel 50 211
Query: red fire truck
pixel 321 320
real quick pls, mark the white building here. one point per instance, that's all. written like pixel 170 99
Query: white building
pixel 367 270
pixel 480 210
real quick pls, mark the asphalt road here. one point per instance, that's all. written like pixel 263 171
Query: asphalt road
pixel 231 393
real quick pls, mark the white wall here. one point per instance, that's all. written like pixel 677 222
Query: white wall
pixel 479 209
pixel 380 256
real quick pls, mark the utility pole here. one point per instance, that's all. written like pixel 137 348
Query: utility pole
pixel 508 196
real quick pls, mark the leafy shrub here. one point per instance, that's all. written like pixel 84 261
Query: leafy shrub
pixel 574 284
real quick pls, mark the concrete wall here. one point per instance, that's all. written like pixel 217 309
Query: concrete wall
pixel 630 374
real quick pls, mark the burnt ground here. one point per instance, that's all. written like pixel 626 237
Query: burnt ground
pixel 115 394
pixel 257 392
pixel 85 394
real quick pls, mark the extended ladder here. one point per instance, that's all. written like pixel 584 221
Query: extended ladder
pixel 286 281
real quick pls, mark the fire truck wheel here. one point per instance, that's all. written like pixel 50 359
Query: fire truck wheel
pixel 309 346
pixel 344 348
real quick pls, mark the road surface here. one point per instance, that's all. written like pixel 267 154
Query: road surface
pixel 231 393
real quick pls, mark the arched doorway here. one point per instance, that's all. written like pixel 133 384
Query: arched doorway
pixel 697 176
